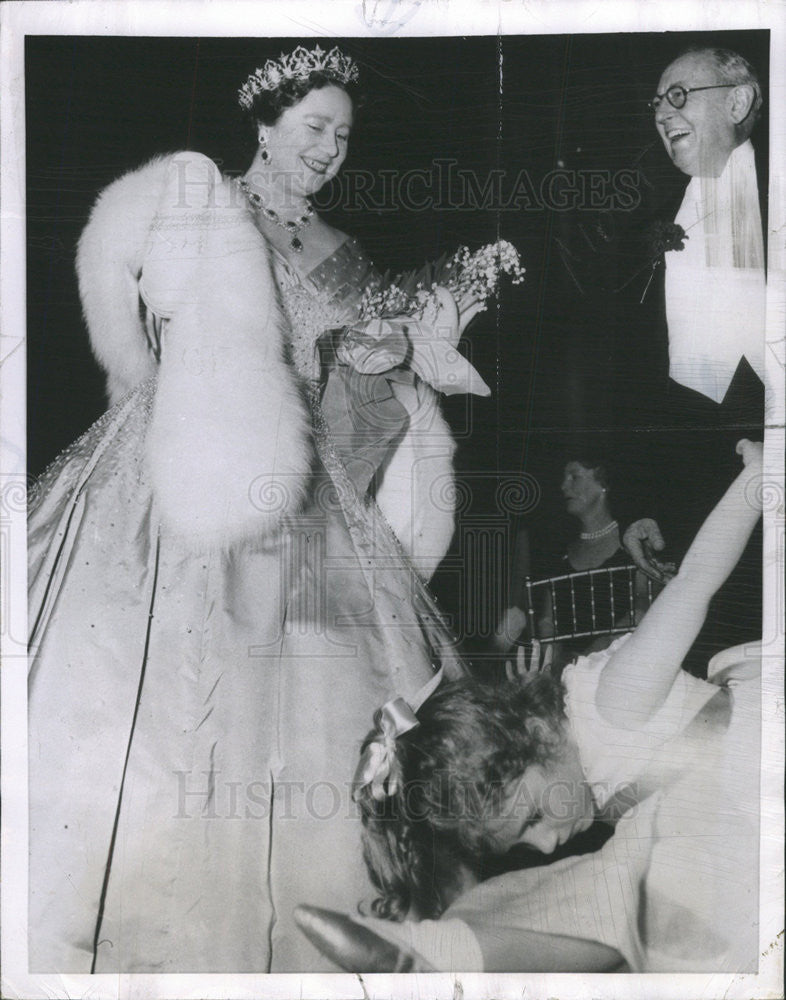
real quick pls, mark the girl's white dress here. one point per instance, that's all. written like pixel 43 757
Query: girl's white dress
pixel 675 889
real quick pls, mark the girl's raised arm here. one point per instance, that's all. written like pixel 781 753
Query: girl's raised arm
pixel 638 677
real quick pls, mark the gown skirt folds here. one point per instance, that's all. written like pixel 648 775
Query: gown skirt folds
pixel 196 711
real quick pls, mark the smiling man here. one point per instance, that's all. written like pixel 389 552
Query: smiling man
pixel 706 105
pixel 705 108
pixel 701 133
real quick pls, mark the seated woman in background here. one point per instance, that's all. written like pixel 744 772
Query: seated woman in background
pixel 572 606
pixel 670 760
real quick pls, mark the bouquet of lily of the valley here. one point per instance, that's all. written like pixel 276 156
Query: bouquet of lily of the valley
pixel 468 276
pixel 408 320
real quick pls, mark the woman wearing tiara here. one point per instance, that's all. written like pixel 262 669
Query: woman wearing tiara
pixel 227 570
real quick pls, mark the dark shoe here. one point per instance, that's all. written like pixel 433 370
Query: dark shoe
pixel 353 947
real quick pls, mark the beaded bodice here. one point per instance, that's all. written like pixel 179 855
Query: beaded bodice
pixel 325 298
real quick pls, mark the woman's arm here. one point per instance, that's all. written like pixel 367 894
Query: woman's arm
pixel 110 254
pixel 638 677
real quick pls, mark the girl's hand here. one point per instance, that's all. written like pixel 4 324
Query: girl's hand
pixel 752 452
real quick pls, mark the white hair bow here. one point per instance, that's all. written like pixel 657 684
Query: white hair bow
pixel 377 762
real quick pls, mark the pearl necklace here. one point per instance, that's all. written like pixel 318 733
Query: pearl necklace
pixel 590 536
pixel 290 226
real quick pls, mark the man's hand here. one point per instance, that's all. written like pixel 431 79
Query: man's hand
pixel 641 541
pixel 751 451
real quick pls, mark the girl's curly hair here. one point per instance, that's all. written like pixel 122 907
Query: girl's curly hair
pixel 450 776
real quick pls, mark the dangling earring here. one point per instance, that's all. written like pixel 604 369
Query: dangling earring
pixel 264 154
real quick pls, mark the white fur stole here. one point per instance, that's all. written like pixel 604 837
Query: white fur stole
pixel 228 445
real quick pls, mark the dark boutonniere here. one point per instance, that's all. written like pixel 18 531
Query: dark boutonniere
pixel 658 238
pixel 664 236
pixel 661 237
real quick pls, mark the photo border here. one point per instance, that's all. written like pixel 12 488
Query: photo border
pixel 384 18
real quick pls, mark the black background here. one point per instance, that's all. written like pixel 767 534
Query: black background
pixel 571 357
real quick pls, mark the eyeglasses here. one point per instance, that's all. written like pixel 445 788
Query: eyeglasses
pixel 677 96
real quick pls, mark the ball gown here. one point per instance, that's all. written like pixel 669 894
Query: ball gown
pixel 218 600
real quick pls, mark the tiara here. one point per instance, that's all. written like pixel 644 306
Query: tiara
pixel 298 65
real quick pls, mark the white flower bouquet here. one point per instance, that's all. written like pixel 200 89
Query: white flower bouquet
pixel 468 276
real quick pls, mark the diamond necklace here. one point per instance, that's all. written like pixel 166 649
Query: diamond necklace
pixel 293 227
pixel 588 536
